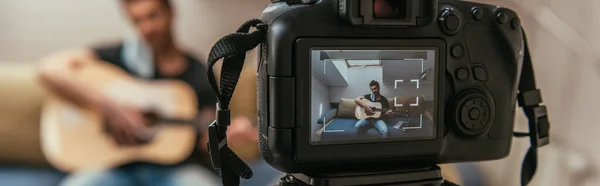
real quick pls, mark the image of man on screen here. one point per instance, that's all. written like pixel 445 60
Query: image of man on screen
pixel 372 103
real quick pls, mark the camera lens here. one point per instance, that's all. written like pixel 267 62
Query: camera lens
pixel 390 9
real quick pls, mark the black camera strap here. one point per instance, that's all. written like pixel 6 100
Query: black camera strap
pixel 530 98
pixel 233 47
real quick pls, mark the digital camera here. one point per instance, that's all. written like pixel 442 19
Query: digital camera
pixel 380 84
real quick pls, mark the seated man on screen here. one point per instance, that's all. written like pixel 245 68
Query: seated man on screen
pixel 379 123
pixel 154 55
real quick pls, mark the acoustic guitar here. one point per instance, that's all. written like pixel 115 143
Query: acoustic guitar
pixel 74 138
pixel 377 108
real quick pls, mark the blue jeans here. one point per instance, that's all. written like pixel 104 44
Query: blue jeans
pixel 155 175
pixel 361 126
pixel 143 174
pixel 29 176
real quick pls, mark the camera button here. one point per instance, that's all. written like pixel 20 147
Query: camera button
pixel 515 23
pixel 452 23
pixel 502 18
pixel 449 22
pixel 457 51
pixel 462 74
pixel 479 73
pixel 477 13
pixel 472 112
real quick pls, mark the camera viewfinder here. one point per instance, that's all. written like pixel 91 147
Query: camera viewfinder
pixel 404 13
pixel 390 9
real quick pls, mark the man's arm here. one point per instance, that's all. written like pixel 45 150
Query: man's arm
pixel 242 136
pixel 56 74
pixel 206 116
pixel 359 102
pixel 386 105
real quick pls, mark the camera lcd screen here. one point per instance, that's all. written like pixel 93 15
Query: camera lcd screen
pixel 363 95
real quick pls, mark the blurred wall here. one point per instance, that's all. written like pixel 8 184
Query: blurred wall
pixel 564 45
pixel 32 28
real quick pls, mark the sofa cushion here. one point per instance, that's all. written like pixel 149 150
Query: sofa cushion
pixel 328 116
pixel 20 107
pixel 346 108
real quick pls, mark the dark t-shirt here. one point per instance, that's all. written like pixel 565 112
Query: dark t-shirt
pixel 194 76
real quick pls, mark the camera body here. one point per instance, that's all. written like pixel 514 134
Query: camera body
pixel 452 66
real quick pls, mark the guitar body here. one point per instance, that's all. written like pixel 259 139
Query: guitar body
pixel 74 138
pixel 360 112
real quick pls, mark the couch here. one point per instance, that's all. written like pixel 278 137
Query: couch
pixel 21 157
pixel 338 122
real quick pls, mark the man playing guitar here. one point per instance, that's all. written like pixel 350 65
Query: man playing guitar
pixel 153 21
pixel 379 123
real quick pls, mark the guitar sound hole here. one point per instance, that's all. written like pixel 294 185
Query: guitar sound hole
pixel 151 118
pixel 371 113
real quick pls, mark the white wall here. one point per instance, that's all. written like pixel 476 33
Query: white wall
pixel 33 28
pixel 319 102
pixel 328 72
pixel 360 77
pixel 408 69
pixel 342 67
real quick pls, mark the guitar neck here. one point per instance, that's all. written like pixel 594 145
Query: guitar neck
pixel 198 123
pixel 379 109
pixel 153 118
pixel 174 121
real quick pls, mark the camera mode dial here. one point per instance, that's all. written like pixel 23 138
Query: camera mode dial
pixel 472 113
pixel 449 21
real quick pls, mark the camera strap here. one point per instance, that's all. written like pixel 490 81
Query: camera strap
pixel 233 47
pixel 530 98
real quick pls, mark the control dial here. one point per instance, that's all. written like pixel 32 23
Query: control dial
pixel 449 22
pixel 472 113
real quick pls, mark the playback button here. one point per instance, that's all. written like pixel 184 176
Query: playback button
pixel 479 73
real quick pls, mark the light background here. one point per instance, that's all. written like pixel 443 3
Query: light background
pixel 33 28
